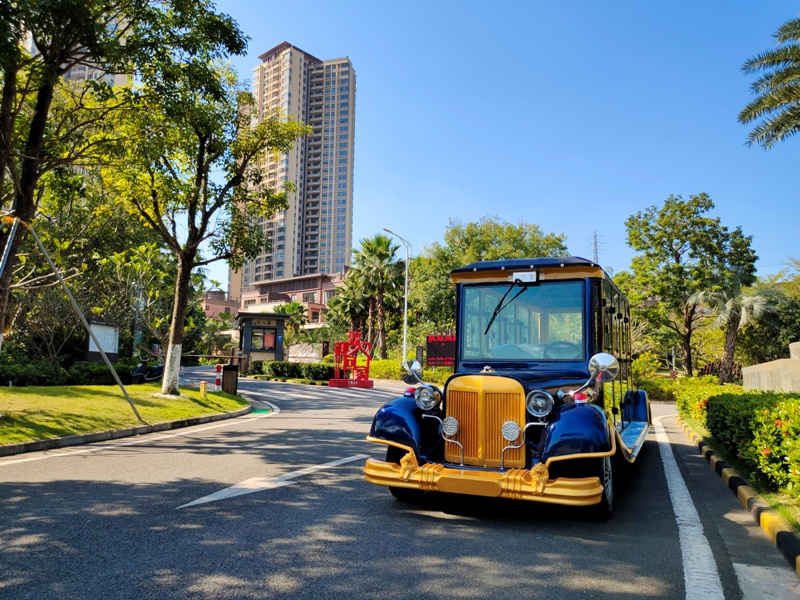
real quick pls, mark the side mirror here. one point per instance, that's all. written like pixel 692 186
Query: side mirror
pixel 413 372
pixel 603 367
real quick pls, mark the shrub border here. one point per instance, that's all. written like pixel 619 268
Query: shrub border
pixel 777 529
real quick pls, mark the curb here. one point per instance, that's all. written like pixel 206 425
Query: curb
pixel 101 436
pixel 777 529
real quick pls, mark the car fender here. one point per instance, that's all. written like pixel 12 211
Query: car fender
pixel 397 422
pixel 577 429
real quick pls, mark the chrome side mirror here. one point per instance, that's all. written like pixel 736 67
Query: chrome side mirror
pixel 413 372
pixel 603 367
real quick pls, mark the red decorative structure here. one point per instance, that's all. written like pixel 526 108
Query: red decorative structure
pixel 345 356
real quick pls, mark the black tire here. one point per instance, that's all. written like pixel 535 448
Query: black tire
pixel 603 509
pixel 407 495
pixel 136 379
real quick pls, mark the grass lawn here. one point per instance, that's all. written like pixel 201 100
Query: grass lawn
pixel 787 506
pixel 38 413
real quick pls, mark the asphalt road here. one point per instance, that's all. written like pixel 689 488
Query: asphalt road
pixel 275 506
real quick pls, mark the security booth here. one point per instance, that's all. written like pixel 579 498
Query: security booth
pixel 261 336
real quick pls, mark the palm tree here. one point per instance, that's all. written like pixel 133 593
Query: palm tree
pixel 349 306
pixel 735 308
pixel 380 274
pixel 777 88
pixel 297 317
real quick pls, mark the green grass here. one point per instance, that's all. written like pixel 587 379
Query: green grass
pixel 38 413
pixel 785 505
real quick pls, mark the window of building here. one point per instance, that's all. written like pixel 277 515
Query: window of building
pixel 263 338
pixel 310 297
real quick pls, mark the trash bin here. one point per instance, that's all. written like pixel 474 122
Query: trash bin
pixel 230 379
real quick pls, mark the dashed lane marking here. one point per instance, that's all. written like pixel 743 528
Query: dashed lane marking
pixel 258 484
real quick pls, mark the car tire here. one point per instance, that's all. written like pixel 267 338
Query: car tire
pixel 603 509
pixel 407 495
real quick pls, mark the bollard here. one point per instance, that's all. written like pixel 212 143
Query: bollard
pixel 204 389
pixel 218 382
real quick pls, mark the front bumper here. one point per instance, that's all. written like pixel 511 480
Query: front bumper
pixel 516 484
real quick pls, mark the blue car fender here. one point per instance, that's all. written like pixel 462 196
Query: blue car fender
pixel 397 422
pixel 576 429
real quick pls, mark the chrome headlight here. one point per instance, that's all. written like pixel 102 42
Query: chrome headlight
pixel 539 403
pixel 427 397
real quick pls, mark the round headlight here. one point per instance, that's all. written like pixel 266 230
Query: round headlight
pixel 450 426
pixel 539 403
pixel 427 397
pixel 510 431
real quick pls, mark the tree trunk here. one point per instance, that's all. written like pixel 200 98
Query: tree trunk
pixel 726 364
pixel 24 206
pixel 172 366
pixel 686 339
pixel 381 324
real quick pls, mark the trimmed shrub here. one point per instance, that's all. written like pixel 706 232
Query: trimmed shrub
pixel 385 369
pixel 38 373
pixel 257 367
pixel 659 389
pixel 282 368
pixel 317 371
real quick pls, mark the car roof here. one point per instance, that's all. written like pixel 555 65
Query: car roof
pixel 520 264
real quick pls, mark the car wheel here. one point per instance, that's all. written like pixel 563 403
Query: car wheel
pixel 407 495
pixel 602 510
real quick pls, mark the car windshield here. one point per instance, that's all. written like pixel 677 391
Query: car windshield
pixel 511 321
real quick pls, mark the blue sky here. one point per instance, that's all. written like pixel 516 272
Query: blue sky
pixel 572 115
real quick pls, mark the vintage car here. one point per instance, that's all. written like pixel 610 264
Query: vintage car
pixel 541 398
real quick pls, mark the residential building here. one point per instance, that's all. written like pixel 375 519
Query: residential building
pixel 217 302
pixel 312 291
pixel 314 234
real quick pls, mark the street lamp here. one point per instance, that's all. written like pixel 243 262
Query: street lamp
pixel 407 244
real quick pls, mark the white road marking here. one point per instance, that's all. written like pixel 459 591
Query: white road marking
pixel 699 569
pixel 140 439
pixel 257 484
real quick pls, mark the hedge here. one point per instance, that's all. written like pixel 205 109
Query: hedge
pixel 761 429
pixel 293 370
pixel 47 373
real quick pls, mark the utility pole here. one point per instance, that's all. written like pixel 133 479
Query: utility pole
pixel 594 248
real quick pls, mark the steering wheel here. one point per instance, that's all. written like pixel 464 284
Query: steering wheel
pixel 563 350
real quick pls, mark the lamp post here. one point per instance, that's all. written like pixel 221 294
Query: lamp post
pixel 407 244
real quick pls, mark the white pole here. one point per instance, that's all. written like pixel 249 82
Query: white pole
pixel 407 244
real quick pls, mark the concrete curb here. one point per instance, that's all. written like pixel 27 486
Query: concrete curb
pixel 101 436
pixel 777 529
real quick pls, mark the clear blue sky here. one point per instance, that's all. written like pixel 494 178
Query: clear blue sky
pixel 572 115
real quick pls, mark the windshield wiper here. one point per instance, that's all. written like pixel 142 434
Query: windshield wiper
pixel 500 306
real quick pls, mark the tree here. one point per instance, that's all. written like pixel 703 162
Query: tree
pixel 297 318
pixel 735 308
pixel 380 276
pixel 685 252
pixel 171 46
pixel 432 295
pixel 348 310
pixel 768 339
pixel 777 106
pixel 191 170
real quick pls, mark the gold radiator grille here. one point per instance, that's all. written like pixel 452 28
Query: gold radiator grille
pixel 481 405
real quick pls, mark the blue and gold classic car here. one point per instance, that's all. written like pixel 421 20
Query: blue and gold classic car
pixel 541 398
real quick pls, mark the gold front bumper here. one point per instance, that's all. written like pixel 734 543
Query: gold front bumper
pixel 516 484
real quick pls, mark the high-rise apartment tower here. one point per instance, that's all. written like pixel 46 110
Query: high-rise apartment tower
pixel 313 235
